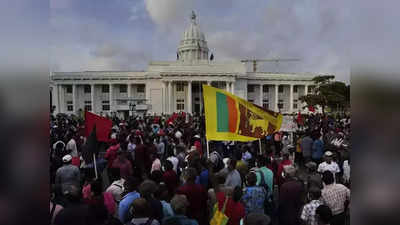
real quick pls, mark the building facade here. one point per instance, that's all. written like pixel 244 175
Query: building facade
pixel 171 86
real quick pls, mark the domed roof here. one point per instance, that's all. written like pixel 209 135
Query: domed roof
pixel 193 45
pixel 193 31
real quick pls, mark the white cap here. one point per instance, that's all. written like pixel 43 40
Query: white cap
pixel 328 153
pixel 197 136
pixel 67 158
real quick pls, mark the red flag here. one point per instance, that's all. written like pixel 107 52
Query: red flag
pixel 299 119
pixel 103 126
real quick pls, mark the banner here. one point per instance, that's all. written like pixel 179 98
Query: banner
pixel 229 117
pixel 103 126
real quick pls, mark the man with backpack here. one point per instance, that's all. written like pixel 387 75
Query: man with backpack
pixel 265 179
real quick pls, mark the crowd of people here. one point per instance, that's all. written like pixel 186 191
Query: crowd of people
pixel 160 170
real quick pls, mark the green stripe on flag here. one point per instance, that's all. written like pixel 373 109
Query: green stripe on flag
pixel 222 113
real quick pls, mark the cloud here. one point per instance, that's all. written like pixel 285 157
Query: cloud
pixel 169 13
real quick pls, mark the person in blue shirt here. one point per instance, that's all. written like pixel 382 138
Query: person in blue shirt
pixel 317 149
pixel 131 184
pixel 179 204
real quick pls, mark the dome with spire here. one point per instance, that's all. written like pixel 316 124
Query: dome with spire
pixel 193 45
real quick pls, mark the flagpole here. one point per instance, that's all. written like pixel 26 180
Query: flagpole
pixel 208 150
pixel 95 165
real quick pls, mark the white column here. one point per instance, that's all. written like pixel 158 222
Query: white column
pixel 291 99
pixel 111 97
pixel 189 109
pixel 233 88
pixel 276 97
pixel 227 86
pixel 92 96
pixel 306 89
pixel 209 83
pixel 164 109
pixel 61 97
pixel 129 87
pixel 170 97
pixel 261 95
pixel 74 99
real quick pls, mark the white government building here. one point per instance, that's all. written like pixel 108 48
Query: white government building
pixel 171 86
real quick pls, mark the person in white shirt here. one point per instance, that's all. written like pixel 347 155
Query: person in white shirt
pixel 346 171
pixel 71 147
pixel 328 165
pixel 174 162
pixel 117 186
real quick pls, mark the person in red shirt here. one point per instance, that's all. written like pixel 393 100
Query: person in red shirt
pixel 234 209
pixel 285 162
pixel 170 178
pixel 111 153
pixel 197 143
pixel 124 165
pixel 197 196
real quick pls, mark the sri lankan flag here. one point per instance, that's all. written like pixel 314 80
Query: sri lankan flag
pixel 229 117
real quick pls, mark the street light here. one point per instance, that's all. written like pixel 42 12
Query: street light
pixel 132 107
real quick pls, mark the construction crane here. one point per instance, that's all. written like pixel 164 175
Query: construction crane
pixel 276 60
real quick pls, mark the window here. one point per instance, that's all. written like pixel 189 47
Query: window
pixel 294 89
pixel 140 88
pixel 179 87
pixel 280 88
pixel 86 89
pixel 250 88
pixel 294 104
pixel 105 105
pixel 88 105
pixel 180 104
pixel 69 89
pixel 280 104
pixel 265 104
pixel 251 100
pixel 265 89
pixel 105 88
pixel 123 88
pixel 70 106
pixel 197 99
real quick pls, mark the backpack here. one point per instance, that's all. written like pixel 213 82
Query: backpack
pixel 269 204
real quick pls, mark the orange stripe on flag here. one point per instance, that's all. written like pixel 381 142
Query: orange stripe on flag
pixel 232 113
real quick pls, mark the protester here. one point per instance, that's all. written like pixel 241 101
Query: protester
pixel 313 178
pixel 323 215
pixel 290 197
pixel 179 204
pixel 308 212
pixel 254 196
pixel 117 186
pixel 147 190
pixel 134 150
pixel 234 209
pixel 130 194
pixel 68 174
pixel 336 197
pixel 306 147
pixel 233 177
pixel 141 213
pixel 329 165
pixel 196 195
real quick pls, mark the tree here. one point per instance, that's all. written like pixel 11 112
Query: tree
pixel 328 93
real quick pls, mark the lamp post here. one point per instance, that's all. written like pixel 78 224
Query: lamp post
pixel 131 108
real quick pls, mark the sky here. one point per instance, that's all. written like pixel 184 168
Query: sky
pixel 128 34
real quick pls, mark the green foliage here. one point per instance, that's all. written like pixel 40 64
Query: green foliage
pixel 328 93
